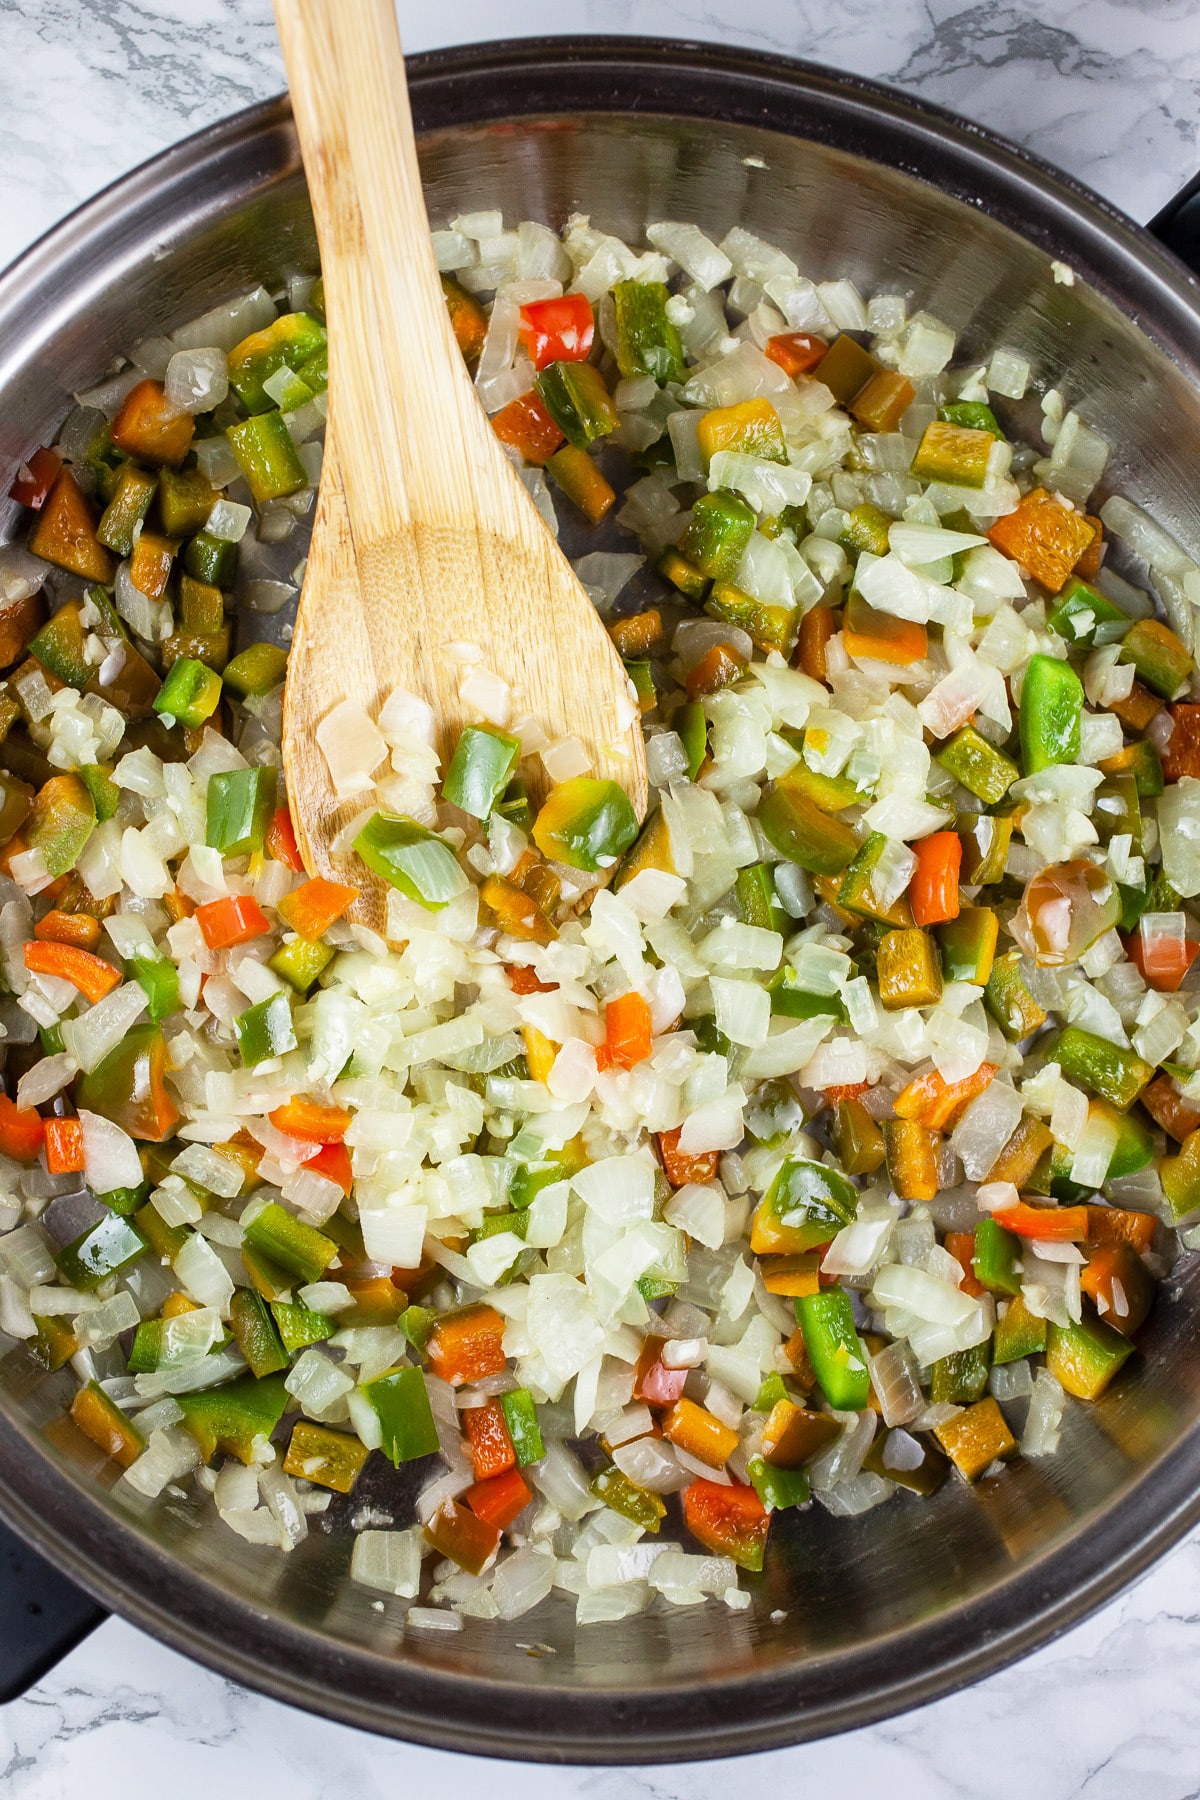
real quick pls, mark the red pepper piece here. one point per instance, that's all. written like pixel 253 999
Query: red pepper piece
pixel 500 1499
pixel 233 920
pixel 680 1169
pixel 281 840
pixel 653 1382
pixel 333 1162
pixel 558 330
pixel 64 1146
pixel 22 1131
pixel 730 1521
pixel 933 890
pixel 464 1537
pixel 467 1345
pixel 487 1434
pixel 1057 1224
pixel 35 478
pixel 796 352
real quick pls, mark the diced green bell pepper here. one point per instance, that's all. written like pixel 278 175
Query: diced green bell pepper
pixel 480 769
pixel 790 1001
pixel 212 560
pixel 985 841
pixel 256 1334
pixel 190 694
pixel 856 893
pixel 806 1205
pixel 1018 1333
pixel 238 810
pixel 267 456
pixel 576 398
pixel 298 1325
pixel 692 727
pixel 721 526
pixel 1009 1000
pixel 976 415
pixel 802 833
pixel 520 1415
pixel 757 900
pixel 299 1248
pixel 201 608
pixel 1116 1074
pixel 857 1140
pixel 647 341
pixel 59 647
pixel 968 945
pixel 401 1401
pixel 1050 714
pixel 112 1244
pixel 1159 657
pixel 412 858
pixel 1084 1357
pixel 995 1260
pixel 106 795
pixel 682 574
pixel 778 1488
pixel 288 342
pixel 953 453
pixel 1082 615
pixel 299 962
pixel 158 977
pixel 834 1348
pixel 265 1030
pixel 770 1393
pixel 254 671
pixel 516 806
pixel 125 1201
pixel 978 765
pixel 417 1323
pixel 236 1418
pixel 133 490
pixel 586 823
pixel 960 1378
pixel 185 499
pixel 623 1496
pixel 866 528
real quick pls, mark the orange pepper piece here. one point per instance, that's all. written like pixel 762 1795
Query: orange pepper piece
pixel 65 533
pixel 90 974
pixel 933 1102
pixel 628 1038
pixel 1045 537
pixel 281 840
pixel 310 1121
pixel 1054 1224
pixel 681 1169
pixel 525 425
pixel 881 637
pixel 149 428
pixel 235 919
pixel 80 929
pixel 315 905
pixel 64 1146
pixel 500 1498
pixel 933 890
pixel 22 1131
pixel 467 1345
pixel 487 1436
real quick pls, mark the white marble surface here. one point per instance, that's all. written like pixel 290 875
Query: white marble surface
pixel 1109 89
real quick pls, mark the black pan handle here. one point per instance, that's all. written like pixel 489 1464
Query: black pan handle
pixel 42 1615
pixel 1178 225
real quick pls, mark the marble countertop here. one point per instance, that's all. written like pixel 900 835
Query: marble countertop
pixel 1108 89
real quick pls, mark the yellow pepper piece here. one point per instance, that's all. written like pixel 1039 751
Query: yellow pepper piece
pixel 752 426
pixel 908 970
pixel 540 1052
pixel 974 1438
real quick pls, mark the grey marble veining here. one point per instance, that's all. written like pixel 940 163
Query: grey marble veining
pixel 1109 90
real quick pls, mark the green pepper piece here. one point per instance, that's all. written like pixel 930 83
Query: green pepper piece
pixel 1142 761
pixel 647 341
pixel 128 1086
pixel 692 727
pixel 298 1325
pixel 268 458
pixel 256 670
pixel 1181 1179
pixel 1018 1333
pixel 59 647
pixel 125 1200
pixel 516 806
pixel 960 1378
pixel 625 1497
pixel 51 1039
pixel 132 492
pixel 288 342
pixel 641 675
pixel 106 795
pixel 995 1260
pixel 55 1343
pixel 803 834
pixel 299 963
pixel 757 900
pixel 834 1348
pixel 1082 615
pixel 778 1488
pixel 1159 657
pixel 655 1287
pixel 401 1401
pixel 520 1415
pixel 411 858
pixel 857 1139
pixel 480 769
pixel 165 1240
pixel 985 841
pixel 1009 1000
pixel 925 1479
pixel 770 1393
pixel 790 1001
pixel 1116 1074
pixel 265 1030
pixel 721 526
pixel 806 1205
pixel 256 1334
pixel 585 823
pixel 978 765
pixel 866 528
pixel 1051 708
pixel 201 608
pixel 107 1247
pixel 417 1323
pixel 185 499
pixel 236 1418
pixel 299 1248
pixel 576 398
pixel 212 560
pixel 1084 1357
pixel 1135 1141
pixel 1116 809
pixel 976 415
pixel 856 893
pixel 968 945
pixel 190 694
pixel 62 820
pixel 314 371
pixel 159 979
pixel 239 809
pixel 682 574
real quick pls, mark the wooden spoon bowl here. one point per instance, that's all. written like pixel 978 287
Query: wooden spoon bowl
pixel 425 540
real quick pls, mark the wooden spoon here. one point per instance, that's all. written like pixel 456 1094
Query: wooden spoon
pixel 424 536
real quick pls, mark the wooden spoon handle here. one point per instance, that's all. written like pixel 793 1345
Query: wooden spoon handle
pixel 410 433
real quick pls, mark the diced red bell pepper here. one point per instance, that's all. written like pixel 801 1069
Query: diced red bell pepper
pixel 467 1345
pixel 310 1121
pixel 796 352
pixel 281 840
pixel 235 919
pixel 464 1537
pixel 525 425
pixel 35 478
pixel 64 1146
pixel 333 1162
pixel 500 1499
pixel 22 1131
pixel 653 1382
pixel 1162 961
pixel 681 1169
pixel 558 330
pixel 730 1521
pixel 933 890
pixel 487 1434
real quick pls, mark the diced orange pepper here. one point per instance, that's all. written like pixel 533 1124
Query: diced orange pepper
pixel 792 1276
pixel 377 1299
pixel 581 480
pixel 628 1034
pixel 715 671
pixel 847 1090
pixel 525 425
pixel 80 929
pixel 653 1382
pixel 487 1437
pixel 467 1345
pixel 333 1162
pixel 1117 1280
pixel 315 905
pixel 235 919
pixel 1108 1225
pixel 522 980
pixel 101 1420
pixel 457 1532
pixel 1168 1108
pixel 883 402
pixel 681 1169
pixel 90 974
pixel 796 352
pixel 1024 1151
pixel 961 1245
pixel 64 1146
pixel 65 533
pixel 150 564
pixel 730 1521
pixel 1181 753
pixel 16 846
pixel 933 890
pixel 976 1437
pixel 178 905
pixel 1088 566
pixel 35 478
pixel 468 320
pixel 1054 1224
pixel 281 840
pixel 1137 710
pixel 22 1131
pixel 151 429
pixel 816 628
pixel 637 634
pixel 310 1121
pixel 1045 537
pixel 694 1429
pixel 792 1434
pixel 500 1499
pixel 1163 962
pixel 880 636
pixel 516 912
pixel 911 1159
pixel 932 1101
